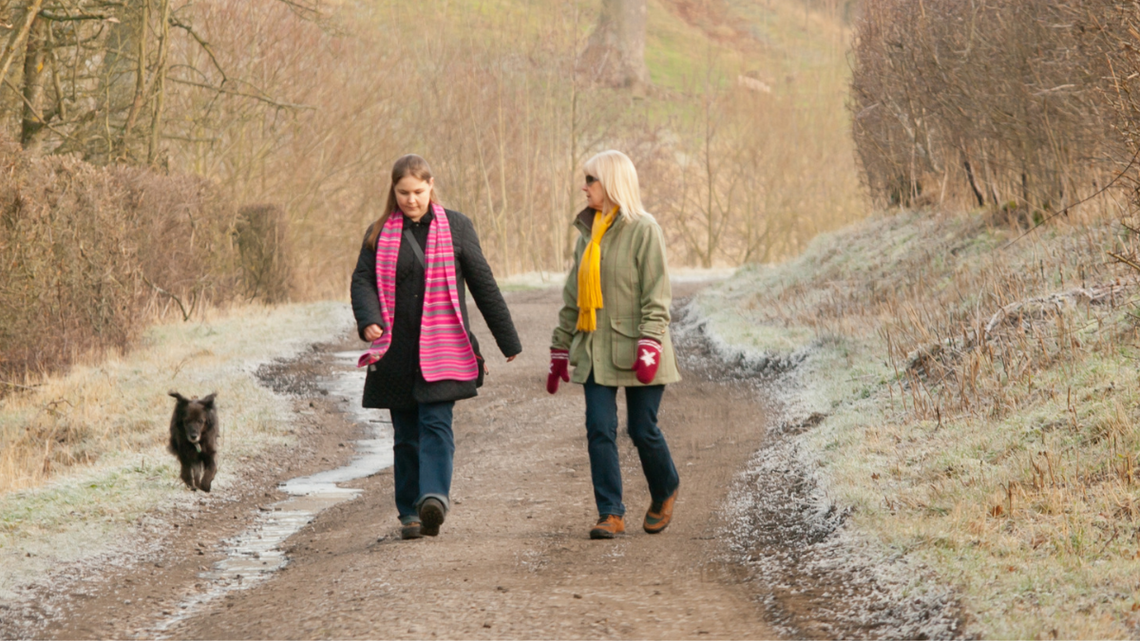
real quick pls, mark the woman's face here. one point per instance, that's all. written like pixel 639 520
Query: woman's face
pixel 414 195
pixel 595 194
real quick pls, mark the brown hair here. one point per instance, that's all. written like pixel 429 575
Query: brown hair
pixel 409 165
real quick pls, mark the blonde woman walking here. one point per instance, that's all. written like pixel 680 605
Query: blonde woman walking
pixel 614 329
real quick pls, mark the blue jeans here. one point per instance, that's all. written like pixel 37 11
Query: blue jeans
pixel 601 433
pixel 423 450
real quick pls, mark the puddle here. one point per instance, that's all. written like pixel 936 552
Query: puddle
pixel 254 555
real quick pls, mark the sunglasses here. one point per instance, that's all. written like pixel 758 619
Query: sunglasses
pixel 590 179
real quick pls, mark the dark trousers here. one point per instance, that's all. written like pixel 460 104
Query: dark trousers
pixel 423 451
pixel 601 433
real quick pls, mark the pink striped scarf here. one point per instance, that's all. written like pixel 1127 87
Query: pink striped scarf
pixel 445 351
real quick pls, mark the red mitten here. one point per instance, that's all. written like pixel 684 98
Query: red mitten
pixel 559 368
pixel 648 359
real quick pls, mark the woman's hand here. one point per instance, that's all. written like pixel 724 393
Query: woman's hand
pixel 648 359
pixel 487 370
pixel 372 333
pixel 559 369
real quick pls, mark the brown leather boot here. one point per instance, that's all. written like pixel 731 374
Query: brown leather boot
pixel 411 531
pixel 609 526
pixel 432 514
pixel 659 514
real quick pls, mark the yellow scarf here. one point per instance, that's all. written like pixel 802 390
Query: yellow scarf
pixel 590 273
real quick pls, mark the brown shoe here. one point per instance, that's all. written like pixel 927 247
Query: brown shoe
pixel 432 514
pixel 609 526
pixel 411 531
pixel 659 514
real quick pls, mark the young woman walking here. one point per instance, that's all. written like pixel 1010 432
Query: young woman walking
pixel 409 303
pixel 614 330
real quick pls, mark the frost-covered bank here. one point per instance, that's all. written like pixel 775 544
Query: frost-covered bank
pixel 117 411
pixel 815 574
pixel 955 406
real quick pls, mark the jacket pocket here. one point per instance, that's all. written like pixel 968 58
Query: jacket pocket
pixel 576 348
pixel 623 341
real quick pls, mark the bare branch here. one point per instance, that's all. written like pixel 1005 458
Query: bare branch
pixel 55 17
pixel 42 118
pixel 175 22
pixel 307 10
pixel 267 100
pixel 185 313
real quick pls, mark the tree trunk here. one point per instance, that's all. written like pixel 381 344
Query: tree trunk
pixel 140 81
pixel 31 131
pixel 615 53
pixel 17 36
pixel 159 86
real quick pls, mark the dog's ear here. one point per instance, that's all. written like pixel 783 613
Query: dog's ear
pixel 181 399
pixel 208 400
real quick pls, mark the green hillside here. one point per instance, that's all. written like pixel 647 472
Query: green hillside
pixel 772 38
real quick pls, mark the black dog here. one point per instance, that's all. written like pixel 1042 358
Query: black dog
pixel 194 439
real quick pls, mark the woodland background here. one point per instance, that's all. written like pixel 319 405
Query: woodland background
pixel 164 155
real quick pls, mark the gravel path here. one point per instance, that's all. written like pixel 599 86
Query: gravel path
pixel 513 559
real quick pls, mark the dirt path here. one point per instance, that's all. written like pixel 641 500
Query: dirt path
pixel 513 559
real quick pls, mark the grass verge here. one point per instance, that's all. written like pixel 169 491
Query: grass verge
pixel 83 455
pixel 981 404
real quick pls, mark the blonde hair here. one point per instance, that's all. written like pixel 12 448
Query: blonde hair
pixel 619 180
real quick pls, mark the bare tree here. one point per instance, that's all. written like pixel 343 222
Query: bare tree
pixel 34 120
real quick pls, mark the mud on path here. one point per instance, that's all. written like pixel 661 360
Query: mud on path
pixel 513 558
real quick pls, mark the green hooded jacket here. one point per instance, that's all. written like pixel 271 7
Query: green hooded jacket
pixel 636 297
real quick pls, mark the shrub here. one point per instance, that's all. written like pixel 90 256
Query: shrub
pixel 264 251
pixel 90 255
pixel 999 104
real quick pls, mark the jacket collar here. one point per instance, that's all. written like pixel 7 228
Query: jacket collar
pixel 584 221
pixel 426 219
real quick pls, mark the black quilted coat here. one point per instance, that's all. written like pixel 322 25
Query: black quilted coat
pixel 396 380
